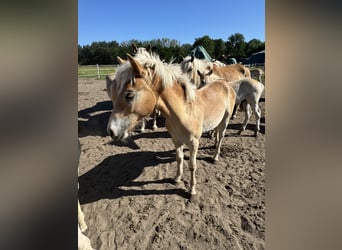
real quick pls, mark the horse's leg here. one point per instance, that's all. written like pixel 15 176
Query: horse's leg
pixel 180 162
pixel 155 113
pixel 257 113
pixel 248 114
pixel 236 107
pixel 216 134
pixel 220 132
pixel 193 148
pixel 142 126
pixel 81 222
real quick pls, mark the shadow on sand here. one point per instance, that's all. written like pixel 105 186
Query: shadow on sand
pixel 105 180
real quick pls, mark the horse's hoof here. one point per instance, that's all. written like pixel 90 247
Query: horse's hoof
pixel 177 180
pixel 83 228
pixel 194 198
pixel 154 128
pixel 215 159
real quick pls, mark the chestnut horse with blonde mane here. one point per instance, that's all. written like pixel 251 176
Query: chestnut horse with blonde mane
pixel 191 65
pixel 145 82
pixel 247 89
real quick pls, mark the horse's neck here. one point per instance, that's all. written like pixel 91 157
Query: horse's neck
pixel 171 101
pixel 217 71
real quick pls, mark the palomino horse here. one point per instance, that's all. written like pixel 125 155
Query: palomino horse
pixel 146 82
pixel 246 89
pixel 191 65
pixel 256 73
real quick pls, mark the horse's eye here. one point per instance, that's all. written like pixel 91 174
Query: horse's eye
pixel 129 96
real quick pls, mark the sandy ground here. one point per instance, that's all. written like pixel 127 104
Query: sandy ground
pixel 129 199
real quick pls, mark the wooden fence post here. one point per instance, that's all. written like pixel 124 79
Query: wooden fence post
pixel 98 71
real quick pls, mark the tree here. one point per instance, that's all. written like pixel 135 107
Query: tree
pixel 219 49
pixel 235 46
pixel 107 52
pixel 253 46
pixel 207 43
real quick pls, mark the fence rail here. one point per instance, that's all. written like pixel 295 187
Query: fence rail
pixel 95 71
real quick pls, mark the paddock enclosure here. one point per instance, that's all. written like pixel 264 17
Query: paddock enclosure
pixel 130 202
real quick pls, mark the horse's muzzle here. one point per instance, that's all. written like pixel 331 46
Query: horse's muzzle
pixel 120 137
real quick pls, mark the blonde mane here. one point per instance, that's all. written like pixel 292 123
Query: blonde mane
pixel 167 72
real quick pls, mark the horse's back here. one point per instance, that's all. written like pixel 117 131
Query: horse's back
pixel 232 72
pixel 249 87
pixel 219 94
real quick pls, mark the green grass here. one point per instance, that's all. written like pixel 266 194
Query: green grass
pixel 90 71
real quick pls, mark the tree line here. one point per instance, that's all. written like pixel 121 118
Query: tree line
pixel 105 53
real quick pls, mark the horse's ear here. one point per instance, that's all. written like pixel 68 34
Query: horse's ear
pixel 210 72
pixel 149 48
pixel 137 68
pixel 135 48
pixel 120 60
pixel 199 72
pixel 192 58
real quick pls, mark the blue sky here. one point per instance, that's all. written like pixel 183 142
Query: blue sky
pixel 182 20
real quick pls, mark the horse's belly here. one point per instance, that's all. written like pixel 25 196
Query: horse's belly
pixel 212 121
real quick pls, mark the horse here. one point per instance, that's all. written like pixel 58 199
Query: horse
pixel 191 65
pixel 83 240
pixel 247 89
pixel 145 82
pixel 218 63
pixel 141 50
pixel 256 73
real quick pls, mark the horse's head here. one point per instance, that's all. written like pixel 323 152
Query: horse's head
pixel 187 65
pixel 142 50
pixel 204 77
pixel 132 97
pixel 190 65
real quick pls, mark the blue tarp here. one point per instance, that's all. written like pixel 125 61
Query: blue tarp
pixel 200 53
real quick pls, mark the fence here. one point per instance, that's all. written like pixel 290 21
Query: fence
pixel 95 71
pixel 255 65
